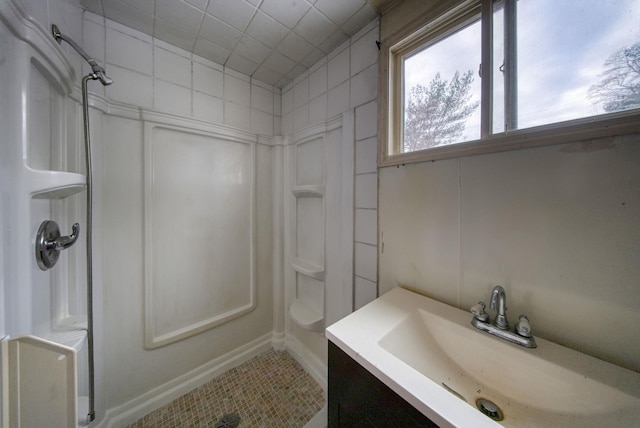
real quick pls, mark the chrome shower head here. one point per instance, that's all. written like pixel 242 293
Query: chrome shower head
pixel 99 74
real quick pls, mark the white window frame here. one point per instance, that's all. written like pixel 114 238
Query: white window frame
pixel 448 20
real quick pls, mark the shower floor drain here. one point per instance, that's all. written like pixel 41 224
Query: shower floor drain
pixel 490 409
pixel 231 420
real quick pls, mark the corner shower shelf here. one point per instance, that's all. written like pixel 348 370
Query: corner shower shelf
pixel 70 331
pixel 55 184
pixel 308 191
pixel 306 317
pixel 71 338
pixel 307 268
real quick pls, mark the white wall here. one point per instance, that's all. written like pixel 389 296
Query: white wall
pixel 153 75
pixel 158 77
pixel 557 226
pixel 346 80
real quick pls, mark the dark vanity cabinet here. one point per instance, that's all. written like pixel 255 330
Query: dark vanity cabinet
pixel 358 399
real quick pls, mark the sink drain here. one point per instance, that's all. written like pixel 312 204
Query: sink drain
pixel 489 409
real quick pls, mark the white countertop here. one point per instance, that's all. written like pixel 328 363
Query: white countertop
pixel 358 335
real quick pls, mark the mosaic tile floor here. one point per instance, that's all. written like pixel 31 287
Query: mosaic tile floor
pixel 270 390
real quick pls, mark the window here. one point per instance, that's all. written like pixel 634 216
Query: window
pixel 441 91
pixel 495 75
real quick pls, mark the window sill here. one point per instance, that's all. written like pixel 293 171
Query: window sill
pixel 579 130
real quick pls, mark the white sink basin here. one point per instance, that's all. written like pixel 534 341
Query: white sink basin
pixel 429 353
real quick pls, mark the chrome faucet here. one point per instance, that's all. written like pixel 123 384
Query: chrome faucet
pixel 499 304
pixel 521 335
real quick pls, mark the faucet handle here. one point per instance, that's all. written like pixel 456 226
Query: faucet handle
pixel 523 328
pixel 479 312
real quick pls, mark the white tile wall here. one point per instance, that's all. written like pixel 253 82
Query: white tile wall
pixel 93 40
pixel 171 67
pixel 364 51
pixel 261 122
pixel 359 19
pixel 346 79
pixel 287 102
pixel 171 98
pixel 338 99
pixel 367 121
pixel 365 292
pixel 300 93
pixel 364 86
pixel 366 261
pixel 366 155
pixel 208 79
pixel 208 108
pixel 366 187
pixel 205 48
pixel 286 124
pixel 237 90
pixel 238 62
pixel 128 51
pixel 366 225
pixel 318 109
pixel 172 80
pixel 261 98
pixel 318 81
pixel 338 69
pixel 301 117
pixel 174 35
pixel 129 87
pixel 154 74
pixel 236 115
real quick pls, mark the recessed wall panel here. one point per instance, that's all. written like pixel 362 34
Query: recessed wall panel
pixel 199 232
pixel 310 163
pixel 310 230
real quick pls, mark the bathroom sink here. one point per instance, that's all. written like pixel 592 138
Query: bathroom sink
pixel 431 355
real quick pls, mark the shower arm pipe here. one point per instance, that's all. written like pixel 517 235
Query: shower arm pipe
pixel 96 69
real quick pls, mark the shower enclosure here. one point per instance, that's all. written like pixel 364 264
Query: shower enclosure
pixel 202 228
pixel 45 327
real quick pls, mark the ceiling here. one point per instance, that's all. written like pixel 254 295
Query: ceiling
pixel 273 41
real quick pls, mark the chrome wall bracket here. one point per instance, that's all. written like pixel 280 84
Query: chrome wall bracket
pixel 49 243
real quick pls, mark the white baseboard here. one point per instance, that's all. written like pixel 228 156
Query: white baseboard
pixel 309 361
pixel 279 341
pixel 142 405
pixel 134 409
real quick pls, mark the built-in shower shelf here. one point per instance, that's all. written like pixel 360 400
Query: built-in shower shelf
pixel 71 338
pixel 55 184
pixel 76 322
pixel 307 268
pixel 306 317
pixel 308 191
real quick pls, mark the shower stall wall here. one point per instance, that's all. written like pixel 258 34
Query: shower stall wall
pixel 43 312
pixel 193 271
